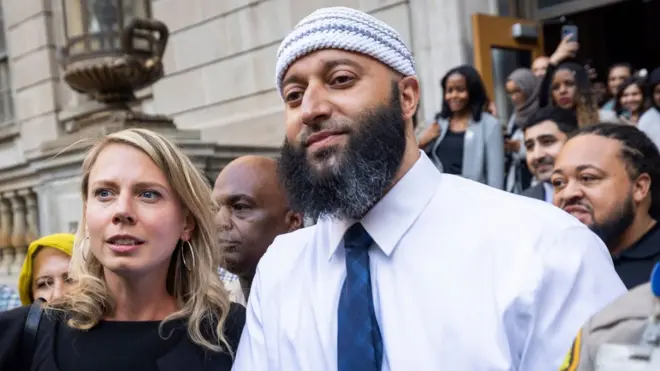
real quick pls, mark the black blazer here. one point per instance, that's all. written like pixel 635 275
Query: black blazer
pixel 537 192
pixel 185 356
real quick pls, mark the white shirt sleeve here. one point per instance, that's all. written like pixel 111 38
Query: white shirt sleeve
pixel 577 280
pixel 252 354
pixel 649 123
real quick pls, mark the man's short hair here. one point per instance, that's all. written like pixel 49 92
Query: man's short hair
pixel 566 120
pixel 639 153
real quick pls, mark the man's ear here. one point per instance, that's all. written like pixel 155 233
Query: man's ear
pixel 641 187
pixel 409 96
pixel 293 220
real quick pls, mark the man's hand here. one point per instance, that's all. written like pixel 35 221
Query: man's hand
pixel 428 135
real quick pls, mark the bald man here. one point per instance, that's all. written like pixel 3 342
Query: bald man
pixel 253 211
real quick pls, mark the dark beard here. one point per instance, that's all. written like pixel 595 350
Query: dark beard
pixel 610 230
pixel 363 170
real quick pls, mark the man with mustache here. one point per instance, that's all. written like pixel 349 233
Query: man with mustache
pixel 608 177
pixel 545 134
pixel 393 275
pixel 253 210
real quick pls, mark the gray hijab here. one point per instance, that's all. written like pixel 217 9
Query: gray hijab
pixel 529 85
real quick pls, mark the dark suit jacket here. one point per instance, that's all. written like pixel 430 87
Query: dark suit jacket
pixel 537 192
pixel 185 356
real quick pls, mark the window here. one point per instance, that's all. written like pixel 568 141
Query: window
pixel 548 3
pixel 6 102
pixel 93 25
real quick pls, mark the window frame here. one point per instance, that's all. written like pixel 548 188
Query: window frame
pixel 7 109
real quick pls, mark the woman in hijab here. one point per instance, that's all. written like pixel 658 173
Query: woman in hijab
pixel 649 123
pixel 522 87
pixel 45 271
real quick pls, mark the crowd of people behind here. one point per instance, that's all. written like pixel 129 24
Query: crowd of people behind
pixel 552 101
pixel 464 137
pixel 408 262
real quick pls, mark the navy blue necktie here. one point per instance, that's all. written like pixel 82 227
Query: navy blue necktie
pixel 359 343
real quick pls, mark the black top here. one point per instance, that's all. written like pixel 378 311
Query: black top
pixel 450 152
pixel 634 265
pixel 114 346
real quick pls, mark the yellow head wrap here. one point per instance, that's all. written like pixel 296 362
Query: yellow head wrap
pixel 60 241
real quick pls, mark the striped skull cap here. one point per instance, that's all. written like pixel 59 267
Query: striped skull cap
pixel 346 29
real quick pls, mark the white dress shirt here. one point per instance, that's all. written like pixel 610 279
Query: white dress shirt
pixel 453 290
pixel 549 192
pixel 649 123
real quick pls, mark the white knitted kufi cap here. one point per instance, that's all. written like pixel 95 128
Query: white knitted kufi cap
pixel 347 29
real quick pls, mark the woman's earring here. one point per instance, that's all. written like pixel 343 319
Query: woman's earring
pixel 192 253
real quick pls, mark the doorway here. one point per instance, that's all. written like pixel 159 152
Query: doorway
pixel 622 32
pixel 497 53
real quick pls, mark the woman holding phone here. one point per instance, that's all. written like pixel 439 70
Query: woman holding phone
pixel 567 85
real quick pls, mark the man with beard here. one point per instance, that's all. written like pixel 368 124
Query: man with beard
pixel 545 133
pixel 253 210
pixel 393 275
pixel 608 176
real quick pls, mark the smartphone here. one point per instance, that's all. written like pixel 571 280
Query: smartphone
pixel 571 30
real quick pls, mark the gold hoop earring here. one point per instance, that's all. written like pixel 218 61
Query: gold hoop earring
pixel 84 255
pixel 192 253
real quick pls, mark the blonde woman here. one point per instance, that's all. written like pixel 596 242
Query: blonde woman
pixel 147 295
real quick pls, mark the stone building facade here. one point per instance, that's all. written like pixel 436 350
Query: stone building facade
pixel 219 83
pixel 218 87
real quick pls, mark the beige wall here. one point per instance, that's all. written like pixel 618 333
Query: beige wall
pixel 221 57
pixel 219 78
pixel 219 63
pixel 31 47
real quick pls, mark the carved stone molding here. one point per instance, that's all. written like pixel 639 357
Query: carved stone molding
pixel 19 226
pixel 32 215
pixel 6 227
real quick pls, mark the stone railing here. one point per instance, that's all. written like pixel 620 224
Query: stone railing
pixel 19 225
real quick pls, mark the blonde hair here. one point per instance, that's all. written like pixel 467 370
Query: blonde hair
pixel 199 292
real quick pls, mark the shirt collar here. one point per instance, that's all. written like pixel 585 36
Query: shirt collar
pixel 645 248
pixel 549 192
pixel 391 217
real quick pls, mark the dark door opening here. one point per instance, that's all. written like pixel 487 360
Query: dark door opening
pixel 622 32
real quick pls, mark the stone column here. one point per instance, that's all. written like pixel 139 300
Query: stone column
pixel 5 236
pixel 32 215
pixel 19 231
